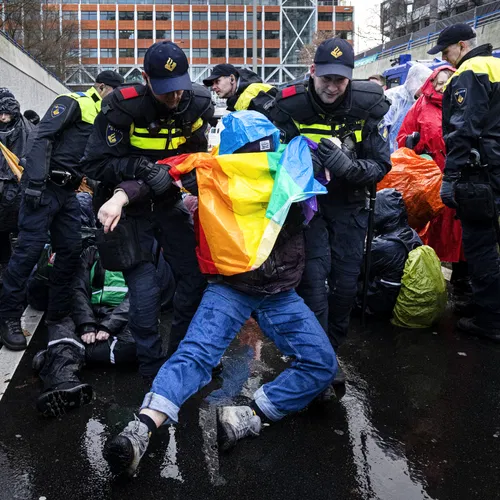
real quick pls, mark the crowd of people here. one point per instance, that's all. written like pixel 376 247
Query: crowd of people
pixel 104 274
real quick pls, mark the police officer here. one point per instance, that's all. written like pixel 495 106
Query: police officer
pixel 332 104
pixel 137 126
pixel 241 87
pixel 49 203
pixel 471 120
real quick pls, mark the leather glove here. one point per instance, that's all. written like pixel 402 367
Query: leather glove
pixel 189 182
pixel 33 194
pixel 412 140
pixel 448 192
pixel 318 167
pixel 333 158
pixel 154 175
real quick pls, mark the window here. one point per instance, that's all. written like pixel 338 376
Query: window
pixel 218 35
pixel 89 53
pixel 70 14
pixel 218 16
pixel 162 16
pixel 272 34
pixel 181 16
pixel 235 52
pixel 272 16
pixel 343 16
pixel 145 34
pixel 346 35
pixel 200 16
pixel 250 16
pixel 236 16
pixel 236 35
pixel 272 52
pixel 126 34
pixel 108 15
pixel 126 15
pixel 200 34
pixel 219 53
pixel 89 34
pixel 128 52
pixel 165 35
pixel 200 53
pixel 107 34
pixel 327 16
pixel 143 15
pixel 89 15
pixel 141 52
pixel 250 53
pixel 108 53
pixel 181 35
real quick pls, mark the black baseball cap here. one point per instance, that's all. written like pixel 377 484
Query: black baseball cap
pixel 334 56
pixel 218 71
pixel 111 78
pixel 452 34
pixel 167 67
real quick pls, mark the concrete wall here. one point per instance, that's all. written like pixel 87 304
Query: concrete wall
pixel 489 33
pixel 33 87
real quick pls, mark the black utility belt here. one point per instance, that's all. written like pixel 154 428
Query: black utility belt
pixel 64 178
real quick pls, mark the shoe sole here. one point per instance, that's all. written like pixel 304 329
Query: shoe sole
pixel 119 454
pixel 57 403
pixel 225 436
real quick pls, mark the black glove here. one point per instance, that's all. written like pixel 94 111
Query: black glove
pixel 333 158
pixel 318 167
pixel 412 140
pixel 448 192
pixel 154 175
pixel 189 182
pixel 33 194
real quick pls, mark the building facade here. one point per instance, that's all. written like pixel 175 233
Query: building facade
pixel 116 36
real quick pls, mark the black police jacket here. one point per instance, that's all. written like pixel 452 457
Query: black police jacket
pixel 133 125
pixel 471 113
pixel 360 112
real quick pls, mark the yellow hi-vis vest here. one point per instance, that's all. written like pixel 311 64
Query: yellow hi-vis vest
pixel 89 102
pixel 249 93
pixel 317 131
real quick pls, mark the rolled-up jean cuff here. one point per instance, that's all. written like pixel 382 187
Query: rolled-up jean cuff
pixel 265 405
pixel 159 403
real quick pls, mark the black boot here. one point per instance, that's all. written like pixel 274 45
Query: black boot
pixel 471 327
pixel 63 389
pixel 38 361
pixel 11 334
pixel 339 376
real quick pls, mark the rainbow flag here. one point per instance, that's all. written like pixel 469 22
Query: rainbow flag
pixel 243 201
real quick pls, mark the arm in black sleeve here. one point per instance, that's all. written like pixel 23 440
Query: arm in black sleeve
pixel 63 113
pixel 117 319
pixel 465 107
pixel 374 160
pixel 82 308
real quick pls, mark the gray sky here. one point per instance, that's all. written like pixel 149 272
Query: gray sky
pixel 365 14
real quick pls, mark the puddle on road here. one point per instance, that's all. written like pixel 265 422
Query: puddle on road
pixel 93 444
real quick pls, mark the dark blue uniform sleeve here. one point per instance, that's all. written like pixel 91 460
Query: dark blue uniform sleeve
pixel 63 113
pixel 374 156
pixel 466 105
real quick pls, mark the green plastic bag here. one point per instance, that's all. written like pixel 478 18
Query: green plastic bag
pixel 422 298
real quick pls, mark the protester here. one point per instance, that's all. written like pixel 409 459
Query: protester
pixel 267 293
pixel 32 116
pixel 14 134
pixel 379 79
pixel 241 87
pixel 402 99
pixel 330 103
pixel 470 184
pixel 48 204
pixel 139 125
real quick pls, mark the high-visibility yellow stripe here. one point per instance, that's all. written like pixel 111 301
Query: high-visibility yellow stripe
pixel 249 93
pixel 486 65
pixel 88 107
pixel 317 131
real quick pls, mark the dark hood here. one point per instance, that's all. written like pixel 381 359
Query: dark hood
pixel 390 211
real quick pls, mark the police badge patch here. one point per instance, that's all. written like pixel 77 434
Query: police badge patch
pixel 460 96
pixel 57 109
pixel 113 136
pixel 383 131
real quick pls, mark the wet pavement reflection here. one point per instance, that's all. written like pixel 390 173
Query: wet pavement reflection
pixel 420 420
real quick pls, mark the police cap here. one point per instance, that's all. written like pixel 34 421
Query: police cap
pixel 111 78
pixel 452 34
pixel 218 71
pixel 334 56
pixel 167 68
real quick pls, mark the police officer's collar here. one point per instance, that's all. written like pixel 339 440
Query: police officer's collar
pixel 184 104
pixel 482 50
pixel 340 105
pixel 93 94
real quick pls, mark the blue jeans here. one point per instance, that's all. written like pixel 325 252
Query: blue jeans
pixel 283 317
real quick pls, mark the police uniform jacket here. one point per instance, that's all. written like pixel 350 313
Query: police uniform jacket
pixel 471 113
pixel 62 135
pixel 298 111
pixel 133 125
pixel 247 95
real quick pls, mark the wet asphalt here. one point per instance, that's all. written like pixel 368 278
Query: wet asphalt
pixel 420 420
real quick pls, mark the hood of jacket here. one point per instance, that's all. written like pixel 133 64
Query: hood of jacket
pixel 428 90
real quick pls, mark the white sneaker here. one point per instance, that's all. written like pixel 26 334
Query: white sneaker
pixel 236 422
pixel 124 452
